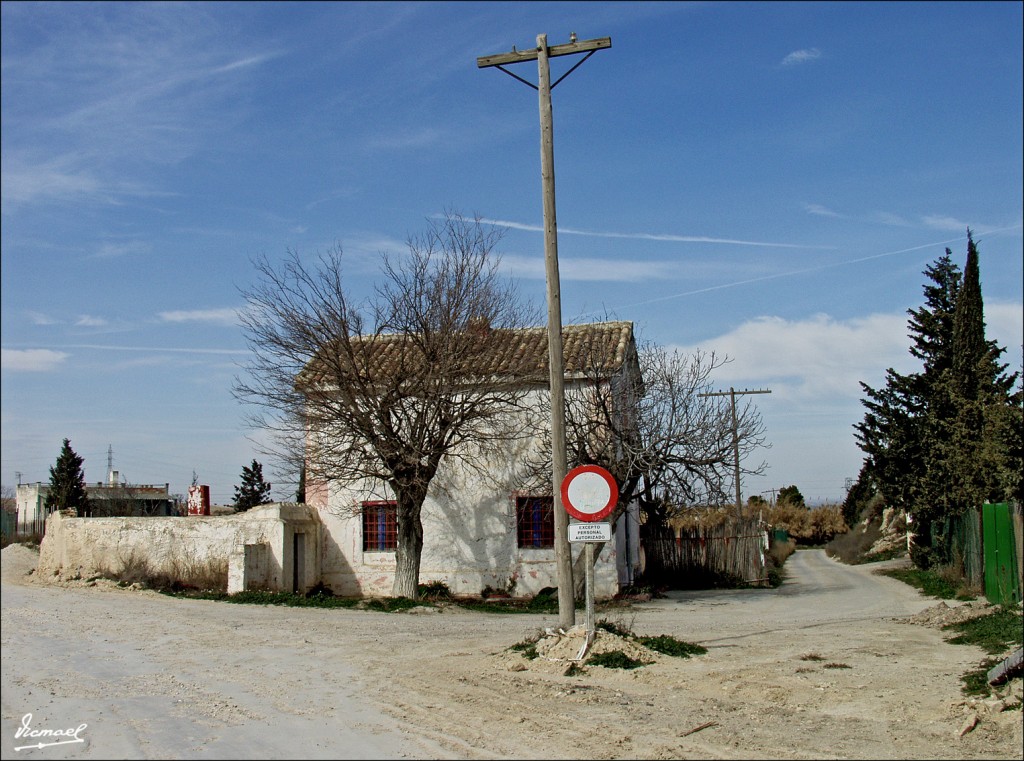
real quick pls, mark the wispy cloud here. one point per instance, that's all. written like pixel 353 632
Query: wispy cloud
pixel 801 56
pixel 90 321
pixel 413 138
pixel 225 316
pixel 590 269
pixel 38 318
pixel 244 63
pixel 667 237
pixel 939 222
pixel 819 210
pixel 154 349
pixel 31 360
pixel 117 250
pixel 145 88
pixel 788 273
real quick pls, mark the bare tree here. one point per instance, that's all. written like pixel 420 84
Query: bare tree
pixel 667 446
pixel 379 393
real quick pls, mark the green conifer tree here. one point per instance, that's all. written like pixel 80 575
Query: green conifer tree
pixel 253 490
pixel 67 483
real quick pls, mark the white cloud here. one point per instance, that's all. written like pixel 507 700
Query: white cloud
pixel 1004 324
pixel 821 211
pixel 816 358
pixel 117 250
pixel 225 316
pixel 89 321
pixel 801 56
pixel 151 84
pixel 944 223
pixel 22 182
pixel 38 318
pixel 31 360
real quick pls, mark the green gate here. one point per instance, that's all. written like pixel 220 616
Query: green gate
pixel 1002 586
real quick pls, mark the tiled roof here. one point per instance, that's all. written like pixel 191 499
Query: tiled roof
pixel 600 348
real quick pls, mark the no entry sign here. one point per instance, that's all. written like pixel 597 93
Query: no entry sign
pixel 589 493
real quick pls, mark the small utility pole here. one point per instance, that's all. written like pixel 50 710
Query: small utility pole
pixel 563 553
pixel 731 393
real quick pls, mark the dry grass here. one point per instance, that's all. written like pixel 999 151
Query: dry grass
pixel 183 571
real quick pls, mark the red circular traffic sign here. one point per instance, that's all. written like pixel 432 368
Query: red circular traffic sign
pixel 589 493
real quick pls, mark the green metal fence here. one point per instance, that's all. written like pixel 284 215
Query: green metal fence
pixel 1002 577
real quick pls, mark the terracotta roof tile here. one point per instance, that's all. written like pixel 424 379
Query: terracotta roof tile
pixel 592 347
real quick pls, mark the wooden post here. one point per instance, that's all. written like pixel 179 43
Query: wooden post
pixel 563 552
pixel 731 393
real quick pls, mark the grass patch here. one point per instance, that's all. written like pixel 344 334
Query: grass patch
pixel 877 557
pixel 975 683
pixel 527 647
pixel 314 600
pixel 662 643
pixel 994 633
pixel 812 657
pixel 671 646
pixel 933 583
pixel 836 666
pixel 615 659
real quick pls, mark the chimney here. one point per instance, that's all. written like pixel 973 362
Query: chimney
pixel 479 326
pixel 114 478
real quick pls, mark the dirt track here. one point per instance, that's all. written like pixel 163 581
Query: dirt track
pixel 836 663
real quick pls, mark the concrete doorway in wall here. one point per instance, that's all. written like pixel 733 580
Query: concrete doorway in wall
pixel 298 561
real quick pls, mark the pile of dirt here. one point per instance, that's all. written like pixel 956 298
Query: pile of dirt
pixel 556 650
pixel 943 614
pixel 18 560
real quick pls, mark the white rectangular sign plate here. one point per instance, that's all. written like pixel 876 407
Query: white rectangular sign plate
pixel 590 532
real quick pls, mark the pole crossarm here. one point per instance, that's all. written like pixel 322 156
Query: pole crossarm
pixel 737 393
pixel 518 56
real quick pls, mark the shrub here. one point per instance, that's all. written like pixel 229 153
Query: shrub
pixel 615 659
pixel 434 590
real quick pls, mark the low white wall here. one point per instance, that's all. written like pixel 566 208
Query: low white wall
pixel 83 547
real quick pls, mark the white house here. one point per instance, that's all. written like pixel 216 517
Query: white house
pixel 488 530
pixel 109 499
pixel 489 527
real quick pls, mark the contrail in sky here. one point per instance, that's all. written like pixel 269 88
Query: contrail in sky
pixel 647 236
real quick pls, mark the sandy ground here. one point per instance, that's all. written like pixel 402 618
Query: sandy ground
pixel 836 663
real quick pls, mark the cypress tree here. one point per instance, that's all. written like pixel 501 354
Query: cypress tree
pixel 973 419
pixel 67 483
pixel 892 432
pixel 253 490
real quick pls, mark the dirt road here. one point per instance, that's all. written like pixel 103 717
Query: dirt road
pixel 836 663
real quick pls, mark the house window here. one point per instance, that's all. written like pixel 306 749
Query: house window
pixel 380 526
pixel 535 522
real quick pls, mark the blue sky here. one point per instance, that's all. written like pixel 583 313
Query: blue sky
pixel 763 180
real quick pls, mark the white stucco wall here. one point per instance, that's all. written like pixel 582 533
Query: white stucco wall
pixel 469 536
pixel 85 547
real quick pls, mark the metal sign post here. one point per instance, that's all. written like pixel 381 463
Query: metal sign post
pixel 589 494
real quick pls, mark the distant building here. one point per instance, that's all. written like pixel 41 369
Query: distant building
pixel 111 499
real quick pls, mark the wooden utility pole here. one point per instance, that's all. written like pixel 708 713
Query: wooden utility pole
pixel 563 553
pixel 732 393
